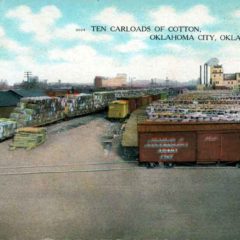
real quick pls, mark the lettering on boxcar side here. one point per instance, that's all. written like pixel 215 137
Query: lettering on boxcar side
pixel 167 146
pixel 211 139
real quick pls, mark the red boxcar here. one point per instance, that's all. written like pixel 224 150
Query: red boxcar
pixel 189 142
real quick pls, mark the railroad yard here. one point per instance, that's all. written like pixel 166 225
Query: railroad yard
pixel 77 185
pixel 106 134
pixel 106 174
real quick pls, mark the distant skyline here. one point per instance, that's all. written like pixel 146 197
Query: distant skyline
pixel 41 37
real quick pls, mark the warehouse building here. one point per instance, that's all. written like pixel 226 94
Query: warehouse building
pixel 20 93
pixel 220 79
pixel 104 82
pixel 8 101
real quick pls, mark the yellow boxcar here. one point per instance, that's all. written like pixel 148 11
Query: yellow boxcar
pixel 118 109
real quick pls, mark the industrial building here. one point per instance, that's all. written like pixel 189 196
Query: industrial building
pixel 220 79
pixel 212 75
pixel 104 82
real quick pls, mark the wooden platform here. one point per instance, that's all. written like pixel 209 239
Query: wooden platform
pixel 130 135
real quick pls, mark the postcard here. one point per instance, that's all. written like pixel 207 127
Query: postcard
pixel 119 120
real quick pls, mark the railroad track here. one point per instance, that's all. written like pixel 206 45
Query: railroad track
pixel 71 123
pixel 68 168
pixel 92 167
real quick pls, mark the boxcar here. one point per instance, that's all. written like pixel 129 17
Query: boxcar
pixel 168 143
pixel 118 109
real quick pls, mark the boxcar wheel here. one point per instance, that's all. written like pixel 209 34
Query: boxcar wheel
pixel 169 165
pixel 151 165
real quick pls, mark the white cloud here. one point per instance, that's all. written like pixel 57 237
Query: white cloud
pixel 134 45
pixel 237 13
pixel 26 62
pixel 2 32
pixel 41 24
pixel 111 16
pixel 175 68
pixel 230 49
pixel 11 45
pixel 229 57
pixel 10 72
pixel 175 47
pixel 78 54
pixel 168 16
pixel 82 63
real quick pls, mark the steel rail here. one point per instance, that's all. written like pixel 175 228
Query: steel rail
pixel 68 171
pixel 67 165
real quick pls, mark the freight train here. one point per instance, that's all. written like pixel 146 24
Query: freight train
pixel 121 108
pixel 39 111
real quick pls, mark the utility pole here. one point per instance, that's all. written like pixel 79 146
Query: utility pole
pixel 152 82
pixel 28 75
pixel 131 81
pixel 133 78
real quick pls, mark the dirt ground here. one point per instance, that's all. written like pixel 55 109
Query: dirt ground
pixel 75 186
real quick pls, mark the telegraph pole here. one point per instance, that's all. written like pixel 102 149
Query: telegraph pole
pixel 28 75
pixel 131 81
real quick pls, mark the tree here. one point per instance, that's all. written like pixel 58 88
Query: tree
pixel 3 85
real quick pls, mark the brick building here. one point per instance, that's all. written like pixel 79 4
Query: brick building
pixel 104 82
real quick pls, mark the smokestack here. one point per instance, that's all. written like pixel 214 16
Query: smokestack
pixel 206 74
pixel 200 82
pixel 211 62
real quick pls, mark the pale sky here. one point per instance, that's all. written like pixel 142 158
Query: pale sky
pixel 41 36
